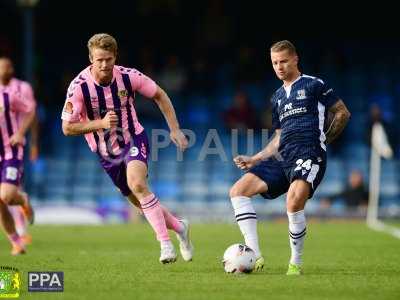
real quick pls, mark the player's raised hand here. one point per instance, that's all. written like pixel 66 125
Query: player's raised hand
pixel 244 162
pixel 179 139
pixel 110 120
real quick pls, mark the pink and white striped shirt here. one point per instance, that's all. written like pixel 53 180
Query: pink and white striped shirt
pixel 16 100
pixel 92 101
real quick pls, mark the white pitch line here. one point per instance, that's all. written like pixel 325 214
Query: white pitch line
pixel 380 226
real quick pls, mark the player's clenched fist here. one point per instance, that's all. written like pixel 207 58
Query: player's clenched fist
pixel 110 120
pixel 244 162
pixel 179 139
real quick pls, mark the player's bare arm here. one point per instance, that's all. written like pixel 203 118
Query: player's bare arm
pixel 246 162
pixel 18 137
pixel 340 119
pixel 167 109
pixel 78 128
pixel 34 143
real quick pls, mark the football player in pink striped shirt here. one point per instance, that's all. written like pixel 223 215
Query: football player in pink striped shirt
pixel 17 111
pixel 99 105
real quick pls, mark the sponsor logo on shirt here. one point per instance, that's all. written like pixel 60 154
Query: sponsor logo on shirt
pixel 134 151
pixel 288 106
pixel 289 111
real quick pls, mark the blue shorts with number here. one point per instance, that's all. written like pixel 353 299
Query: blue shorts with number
pixel 308 164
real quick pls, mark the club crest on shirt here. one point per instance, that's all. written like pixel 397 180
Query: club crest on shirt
pixel 123 93
pixel 301 94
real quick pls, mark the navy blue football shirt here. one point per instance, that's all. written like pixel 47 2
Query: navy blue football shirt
pixel 300 109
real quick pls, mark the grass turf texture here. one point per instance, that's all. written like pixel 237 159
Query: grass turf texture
pixel 342 261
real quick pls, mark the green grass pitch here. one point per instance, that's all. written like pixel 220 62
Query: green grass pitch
pixel 341 261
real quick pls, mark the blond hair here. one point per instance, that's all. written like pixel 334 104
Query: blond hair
pixel 284 45
pixel 103 41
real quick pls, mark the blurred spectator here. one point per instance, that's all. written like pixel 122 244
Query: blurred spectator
pixel 173 75
pixel 6 48
pixel 145 61
pixel 241 114
pixel 376 117
pixel 200 77
pixel 215 28
pixel 354 195
pixel 266 117
pixel 247 71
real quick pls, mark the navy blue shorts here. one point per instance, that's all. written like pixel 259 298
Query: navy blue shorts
pixel 278 174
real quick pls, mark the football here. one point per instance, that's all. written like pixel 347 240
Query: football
pixel 239 258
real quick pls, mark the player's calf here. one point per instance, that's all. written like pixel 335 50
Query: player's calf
pixel 27 208
pixel 11 195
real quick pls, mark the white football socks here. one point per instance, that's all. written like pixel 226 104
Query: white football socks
pixel 297 234
pixel 247 220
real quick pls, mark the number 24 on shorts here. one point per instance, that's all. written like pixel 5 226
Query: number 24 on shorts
pixel 301 164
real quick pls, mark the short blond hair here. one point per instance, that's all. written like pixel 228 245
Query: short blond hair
pixel 103 41
pixel 284 45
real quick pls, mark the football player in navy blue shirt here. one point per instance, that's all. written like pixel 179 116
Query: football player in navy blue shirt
pixel 294 161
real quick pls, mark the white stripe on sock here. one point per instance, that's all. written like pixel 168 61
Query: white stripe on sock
pixel 247 221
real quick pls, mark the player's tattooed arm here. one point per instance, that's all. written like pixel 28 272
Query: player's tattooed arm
pixel 271 149
pixel 341 117
pixel 246 162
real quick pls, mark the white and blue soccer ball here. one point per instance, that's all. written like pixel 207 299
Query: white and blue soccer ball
pixel 239 258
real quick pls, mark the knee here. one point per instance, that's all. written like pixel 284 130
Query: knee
pixel 137 186
pixel 295 202
pixel 7 197
pixel 237 190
